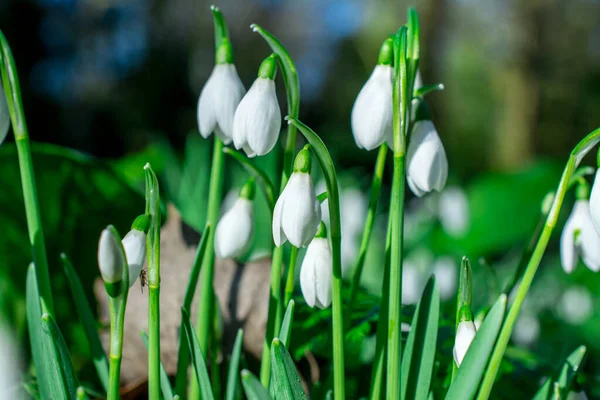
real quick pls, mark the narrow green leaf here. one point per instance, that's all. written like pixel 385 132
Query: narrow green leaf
pixel 288 69
pixel 419 355
pixel 259 174
pixel 88 322
pixel 197 358
pixel 34 325
pixel 286 382
pixel 234 366
pixel 286 326
pixel 165 384
pixel 183 358
pixel 425 90
pixel 221 31
pixel 467 379
pixel 253 388
pixel 566 375
pixel 61 385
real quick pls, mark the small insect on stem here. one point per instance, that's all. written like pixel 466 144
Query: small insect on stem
pixel 143 278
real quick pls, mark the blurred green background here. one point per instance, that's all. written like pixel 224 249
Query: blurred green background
pixel 118 81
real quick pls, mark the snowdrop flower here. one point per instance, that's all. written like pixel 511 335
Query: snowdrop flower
pixel 372 111
pixel 454 211
pixel 111 257
pixel 4 116
pixel 427 166
pixel 220 96
pixel 233 236
pixel 576 305
pixel 10 364
pixel 257 120
pixel 526 330
pixel 316 271
pixel 579 237
pixel 465 333
pixel 297 212
pixel 595 202
pixel 134 244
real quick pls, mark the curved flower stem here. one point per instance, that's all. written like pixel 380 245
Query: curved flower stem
pixel 153 256
pixel 322 154
pixel 117 318
pixel 366 236
pixel 536 257
pixel 12 89
pixel 292 89
pixel 289 286
pixel 394 345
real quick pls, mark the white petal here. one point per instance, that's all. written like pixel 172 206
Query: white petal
pixel 569 252
pixel 4 115
pixel 595 202
pixel 589 241
pixel 427 165
pixel 454 211
pixel 279 237
pixel 134 244
pixel 316 274
pixel 464 336
pixel 372 110
pixel 234 231
pixel 110 257
pixel 301 211
pixel 229 91
pixel 207 120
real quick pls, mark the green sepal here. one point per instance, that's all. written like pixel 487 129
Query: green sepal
pixel 465 314
pixel 303 161
pixel 224 53
pixel 268 68
pixel 583 190
pixel 141 223
pixel 247 191
pixel 386 53
pixel 322 231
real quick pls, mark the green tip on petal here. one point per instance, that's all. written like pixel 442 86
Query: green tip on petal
pixel 322 231
pixel 268 68
pixel 141 223
pixel 247 191
pixel 583 190
pixel 224 53
pixel 113 289
pixel 598 158
pixel 386 53
pixel 465 314
pixel 302 163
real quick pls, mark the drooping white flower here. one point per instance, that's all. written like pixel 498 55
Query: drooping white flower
pixel 257 120
pixel 297 212
pixel 233 236
pixel 111 259
pixel 427 165
pixel 465 333
pixel 220 97
pixel 580 238
pixel 595 202
pixel 454 211
pixel 316 271
pixel 4 116
pixel 134 244
pixel 372 110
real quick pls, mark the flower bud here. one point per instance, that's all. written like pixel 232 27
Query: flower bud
pixel 111 258
pixel 427 165
pixel 134 244
pixel 580 238
pixel 465 333
pixel 595 202
pixel 316 271
pixel 297 213
pixel 235 229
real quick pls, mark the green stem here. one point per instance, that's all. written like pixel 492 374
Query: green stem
pixel 289 286
pixel 117 317
pixel 394 346
pixel 536 257
pixel 366 236
pixel 12 90
pixel 215 340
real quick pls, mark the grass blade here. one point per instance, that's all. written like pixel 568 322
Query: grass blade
pixel 565 378
pixel 253 388
pixel 197 358
pixel 286 382
pixel 88 322
pixel 419 355
pixel 286 326
pixel 61 384
pixel 183 358
pixel 234 366
pixel 467 379
pixel 165 384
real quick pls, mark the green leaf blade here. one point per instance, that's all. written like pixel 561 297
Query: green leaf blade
pixel 197 358
pixel 253 388
pixel 165 384
pixel 286 326
pixel 234 366
pixel 286 382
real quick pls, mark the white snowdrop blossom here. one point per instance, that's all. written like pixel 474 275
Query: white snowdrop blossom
pixel 111 259
pixel 446 271
pixel 427 165
pixel 526 330
pixel 257 120
pixel 11 364
pixel 220 97
pixel 4 116
pixel 465 334
pixel 454 211
pixel 595 202
pixel 134 244
pixel 580 238
pixel 297 212
pixel 372 111
pixel 233 236
pixel 316 272
pixel 576 305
